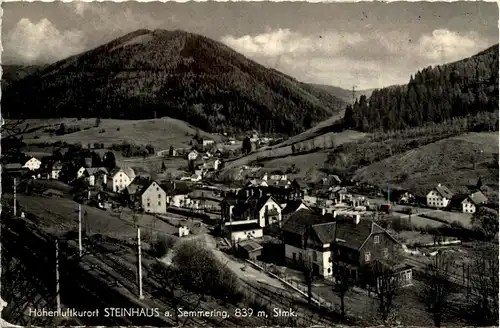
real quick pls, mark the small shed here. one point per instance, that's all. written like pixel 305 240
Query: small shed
pixel 250 249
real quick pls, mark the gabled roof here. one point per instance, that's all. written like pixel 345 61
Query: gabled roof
pixel 292 206
pixel 477 198
pixel 173 188
pixel 145 188
pixel 299 221
pixel 263 200
pixel 94 170
pixel 127 170
pixel 340 230
pixel 250 245
pixel 444 191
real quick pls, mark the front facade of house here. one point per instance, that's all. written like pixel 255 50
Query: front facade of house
pixel 473 201
pixel 33 164
pixel 121 178
pixel 269 212
pixel 192 155
pixel 439 197
pixel 332 244
pixel 56 171
pixel 241 232
pixel 154 199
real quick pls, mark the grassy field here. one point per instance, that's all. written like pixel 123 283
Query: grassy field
pixel 161 133
pixel 270 154
pixel 450 217
pixel 60 215
pixel 447 161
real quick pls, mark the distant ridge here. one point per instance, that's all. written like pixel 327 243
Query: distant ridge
pixel 171 73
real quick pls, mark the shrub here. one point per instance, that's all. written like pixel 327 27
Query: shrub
pixel 162 245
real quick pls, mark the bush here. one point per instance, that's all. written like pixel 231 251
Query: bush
pixel 162 245
pixel 118 129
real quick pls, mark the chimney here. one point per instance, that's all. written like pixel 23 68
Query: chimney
pixel 357 218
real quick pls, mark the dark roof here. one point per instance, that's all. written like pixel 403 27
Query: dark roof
pixel 175 187
pixel 478 198
pixel 12 166
pixel 291 206
pixel 244 227
pixel 299 221
pixel 444 191
pixel 341 230
pixel 250 245
pixel 325 231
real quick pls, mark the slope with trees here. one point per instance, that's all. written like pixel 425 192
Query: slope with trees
pixel 170 73
pixel 434 94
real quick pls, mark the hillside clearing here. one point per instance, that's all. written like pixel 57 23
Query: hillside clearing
pixel 448 161
pixel 161 133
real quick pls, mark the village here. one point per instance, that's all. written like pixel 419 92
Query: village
pixel 270 227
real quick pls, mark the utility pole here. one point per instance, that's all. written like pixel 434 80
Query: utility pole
pixel 80 229
pixel 353 94
pixel 15 197
pixel 58 296
pixel 139 262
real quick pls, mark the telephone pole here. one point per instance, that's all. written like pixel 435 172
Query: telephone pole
pixel 15 197
pixel 139 262
pixel 80 229
pixel 58 296
pixel 353 94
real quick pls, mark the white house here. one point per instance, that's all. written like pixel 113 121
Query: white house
pixel 56 171
pixel 154 199
pixel 207 142
pixel 33 164
pixel 439 197
pixel 240 232
pixel 260 211
pixel 192 155
pixel 471 202
pixel 121 178
pixel 278 177
pixel 80 172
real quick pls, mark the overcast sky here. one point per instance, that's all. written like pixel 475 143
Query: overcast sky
pixel 367 45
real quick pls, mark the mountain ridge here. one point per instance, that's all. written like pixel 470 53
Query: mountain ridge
pixel 433 94
pixel 171 73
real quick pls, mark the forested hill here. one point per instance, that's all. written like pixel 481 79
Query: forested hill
pixel 170 73
pixel 434 94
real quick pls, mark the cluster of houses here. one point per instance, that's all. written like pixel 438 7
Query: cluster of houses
pixel 310 234
pixel 441 197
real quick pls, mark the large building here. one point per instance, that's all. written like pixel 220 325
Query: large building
pixel 439 197
pixel 121 178
pixel 329 243
pixel 154 199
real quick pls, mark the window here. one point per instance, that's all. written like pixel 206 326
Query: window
pixel 159 196
pixel 367 256
pixel 294 256
pixel 329 270
pixel 386 253
pixel 376 239
pixel 149 204
pixel 157 189
pixel 159 203
pixel 315 256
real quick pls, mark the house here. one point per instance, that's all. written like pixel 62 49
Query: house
pixel 177 193
pixel 241 232
pixel 14 170
pixel 291 207
pixel 277 176
pixel 192 155
pixel 406 198
pixel 439 197
pixel 56 170
pixel 134 190
pixel 172 152
pixel 207 142
pixel 94 175
pixel 259 209
pixel 472 201
pixel 121 178
pixel 250 249
pixel 333 242
pixel 154 199
pixel 213 164
pixel 33 164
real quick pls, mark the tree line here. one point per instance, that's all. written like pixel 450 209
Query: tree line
pixel 434 94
